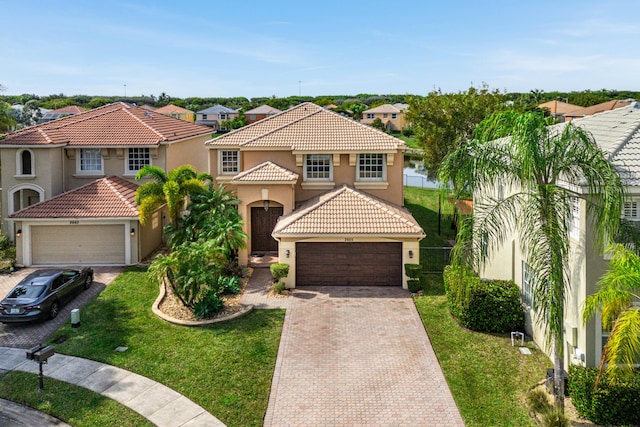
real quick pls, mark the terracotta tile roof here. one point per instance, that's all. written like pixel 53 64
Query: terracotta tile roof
pixel 559 107
pixel 168 109
pixel 70 109
pixel 117 124
pixel 348 211
pixel 266 172
pixel 263 109
pixel 598 108
pixel 309 128
pixel 111 197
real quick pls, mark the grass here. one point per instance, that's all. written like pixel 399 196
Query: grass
pixel 423 204
pixel 488 377
pixel 227 369
pixel 409 140
pixel 76 406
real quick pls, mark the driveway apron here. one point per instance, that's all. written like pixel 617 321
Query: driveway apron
pixel 357 356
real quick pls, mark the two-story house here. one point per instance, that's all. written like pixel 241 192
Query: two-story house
pixel 259 113
pixel 392 116
pixel 617 132
pixel 68 185
pixel 214 116
pixel 177 112
pixel 322 191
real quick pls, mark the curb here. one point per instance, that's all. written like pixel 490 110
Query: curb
pixel 246 309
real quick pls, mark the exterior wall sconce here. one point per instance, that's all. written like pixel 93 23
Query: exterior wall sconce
pixel 410 254
pixel 133 232
pixel 266 205
pixel 287 253
pixel 19 232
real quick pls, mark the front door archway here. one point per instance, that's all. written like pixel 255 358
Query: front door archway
pixel 262 224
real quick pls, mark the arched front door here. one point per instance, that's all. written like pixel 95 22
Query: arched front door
pixel 262 223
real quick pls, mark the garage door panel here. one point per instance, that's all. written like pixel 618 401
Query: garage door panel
pixel 358 263
pixel 78 244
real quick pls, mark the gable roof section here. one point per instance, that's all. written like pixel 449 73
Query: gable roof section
pixel 217 109
pixel 598 108
pixel 117 124
pixel 264 109
pixel 111 197
pixel 559 107
pixel 168 109
pixel 617 133
pixel 266 172
pixel 348 211
pixel 309 128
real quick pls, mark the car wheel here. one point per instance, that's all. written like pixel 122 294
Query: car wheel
pixel 88 281
pixel 54 310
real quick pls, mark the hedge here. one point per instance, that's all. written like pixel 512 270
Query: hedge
pixel 483 305
pixel 606 404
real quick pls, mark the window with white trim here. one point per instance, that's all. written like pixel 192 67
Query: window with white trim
pixel 630 210
pixel 229 162
pixel 90 160
pixel 317 167
pixel 25 163
pixel 574 225
pixel 137 158
pixel 394 116
pixel 371 167
pixel 371 116
pixel 527 284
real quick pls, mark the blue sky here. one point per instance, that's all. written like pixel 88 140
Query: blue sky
pixel 282 48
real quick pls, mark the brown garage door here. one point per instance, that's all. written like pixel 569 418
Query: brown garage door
pixel 77 244
pixel 349 264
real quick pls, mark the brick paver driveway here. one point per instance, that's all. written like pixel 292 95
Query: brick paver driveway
pixel 28 335
pixel 357 356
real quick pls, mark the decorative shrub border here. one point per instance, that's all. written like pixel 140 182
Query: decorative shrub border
pixel 244 310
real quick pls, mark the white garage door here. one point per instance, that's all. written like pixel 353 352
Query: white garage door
pixel 77 244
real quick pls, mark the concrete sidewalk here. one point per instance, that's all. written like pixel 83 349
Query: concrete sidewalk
pixel 159 404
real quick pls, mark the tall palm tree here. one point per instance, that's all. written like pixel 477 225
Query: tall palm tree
pixel 619 287
pixel 536 161
pixel 171 188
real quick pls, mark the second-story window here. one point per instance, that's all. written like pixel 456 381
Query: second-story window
pixel 318 167
pixel 229 162
pixel 204 117
pixel 371 116
pixel 137 158
pixel 25 163
pixel 90 160
pixel 394 116
pixel 371 167
pixel 223 117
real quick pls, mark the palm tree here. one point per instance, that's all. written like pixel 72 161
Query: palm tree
pixel 619 287
pixel 536 160
pixel 171 188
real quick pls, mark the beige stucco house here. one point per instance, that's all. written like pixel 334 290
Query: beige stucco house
pixel 177 112
pixel 324 193
pixel 392 116
pixel 617 132
pixel 68 185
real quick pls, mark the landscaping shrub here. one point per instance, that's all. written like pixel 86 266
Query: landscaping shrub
pixel 278 287
pixel 607 403
pixel 229 285
pixel 553 417
pixel 483 305
pixel 538 401
pixel 279 270
pixel 413 270
pixel 4 242
pixel 209 304
pixel 408 132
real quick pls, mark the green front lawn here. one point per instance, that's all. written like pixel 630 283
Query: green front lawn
pixel 487 376
pixel 227 369
pixel 423 204
pixel 77 406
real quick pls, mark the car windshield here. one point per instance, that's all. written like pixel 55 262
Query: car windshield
pixel 27 291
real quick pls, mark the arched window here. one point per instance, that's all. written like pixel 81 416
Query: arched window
pixel 25 158
pixel 25 162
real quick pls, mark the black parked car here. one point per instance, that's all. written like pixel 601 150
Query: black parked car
pixel 41 294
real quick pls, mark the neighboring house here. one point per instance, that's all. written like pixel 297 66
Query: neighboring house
pixel 259 113
pixel 68 185
pixel 325 193
pixel 392 116
pixel 214 116
pixel 595 109
pixel 59 113
pixel 177 112
pixel 617 132
pixel 558 108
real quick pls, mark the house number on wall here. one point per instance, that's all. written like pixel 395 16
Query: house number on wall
pixel 74 222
